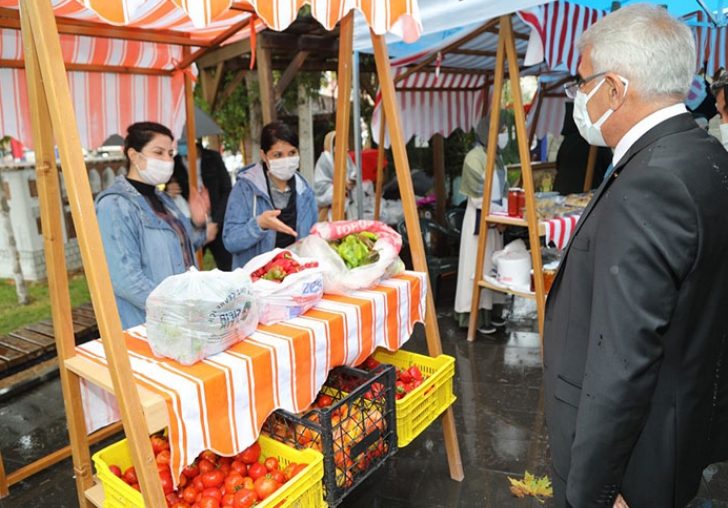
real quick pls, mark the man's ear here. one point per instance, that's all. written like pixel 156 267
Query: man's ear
pixel 617 90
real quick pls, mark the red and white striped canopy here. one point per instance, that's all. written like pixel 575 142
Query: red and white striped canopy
pixel 711 43
pixel 431 104
pixel 107 102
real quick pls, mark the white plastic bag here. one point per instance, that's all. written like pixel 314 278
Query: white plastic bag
pixel 195 314
pixel 294 295
pixel 340 280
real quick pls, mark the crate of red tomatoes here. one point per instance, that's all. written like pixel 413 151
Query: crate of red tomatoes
pixel 266 474
pixel 352 422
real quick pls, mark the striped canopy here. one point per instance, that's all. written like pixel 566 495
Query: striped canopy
pixel 145 82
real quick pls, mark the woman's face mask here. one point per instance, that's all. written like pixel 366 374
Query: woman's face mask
pixel 156 172
pixel 284 168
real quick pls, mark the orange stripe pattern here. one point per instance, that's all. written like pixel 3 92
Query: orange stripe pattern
pixel 221 402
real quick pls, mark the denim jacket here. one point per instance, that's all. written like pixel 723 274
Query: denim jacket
pixel 241 233
pixel 141 248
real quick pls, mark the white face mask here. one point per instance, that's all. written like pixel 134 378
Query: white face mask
pixel 724 134
pixel 157 171
pixel 502 140
pixel 284 168
pixel 590 131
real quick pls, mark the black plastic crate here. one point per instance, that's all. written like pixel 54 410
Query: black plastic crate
pixel 355 434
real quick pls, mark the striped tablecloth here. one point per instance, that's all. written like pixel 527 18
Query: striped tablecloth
pixel 221 402
pixel 559 230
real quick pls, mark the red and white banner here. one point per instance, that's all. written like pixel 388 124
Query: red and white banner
pixel 431 104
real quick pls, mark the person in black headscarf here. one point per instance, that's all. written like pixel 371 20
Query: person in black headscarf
pixel 572 157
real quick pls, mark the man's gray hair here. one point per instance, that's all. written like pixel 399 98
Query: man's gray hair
pixel 646 45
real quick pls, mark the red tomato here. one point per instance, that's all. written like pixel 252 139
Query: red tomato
pixel 248 483
pixel 167 483
pixel 209 455
pixel 189 494
pixel 163 457
pixel 205 466
pixel 239 467
pixel 245 498
pixel 183 481
pixel 162 468
pixel 271 464
pixel 288 471
pixel 250 454
pixel 130 476
pixel 265 486
pixel 298 469
pixel 213 478
pixel 228 499
pixel 233 482
pixel 180 505
pixel 172 499
pixel 197 483
pixel 257 470
pixel 278 476
pixel 209 502
pixel 225 468
pixel 115 470
pixel 159 443
pixel 191 471
pixel 324 401
pixel 136 486
pixel 212 492
pixel 224 460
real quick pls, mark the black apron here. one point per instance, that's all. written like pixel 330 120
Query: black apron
pixel 288 215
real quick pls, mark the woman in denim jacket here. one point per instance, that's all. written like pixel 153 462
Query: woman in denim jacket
pixel 146 237
pixel 271 204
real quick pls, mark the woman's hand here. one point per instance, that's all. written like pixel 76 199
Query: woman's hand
pixel 620 502
pixel 199 206
pixel 269 220
pixel 211 232
pixel 173 189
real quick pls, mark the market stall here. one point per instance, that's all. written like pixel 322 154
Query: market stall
pixel 52 114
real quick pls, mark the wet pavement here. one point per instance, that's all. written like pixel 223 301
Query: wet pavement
pixel 499 418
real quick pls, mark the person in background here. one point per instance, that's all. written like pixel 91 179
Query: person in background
pixel 471 185
pixel 635 355
pixel 146 237
pixel 271 204
pixel 212 173
pixel 572 158
pixel 719 88
pixel 323 181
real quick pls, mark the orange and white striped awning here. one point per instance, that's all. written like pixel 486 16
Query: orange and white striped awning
pixel 107 102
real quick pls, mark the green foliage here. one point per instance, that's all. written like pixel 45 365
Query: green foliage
pixel 14 316
pixel 232 114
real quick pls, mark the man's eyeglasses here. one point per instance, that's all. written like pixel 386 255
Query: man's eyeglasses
pixel 570 89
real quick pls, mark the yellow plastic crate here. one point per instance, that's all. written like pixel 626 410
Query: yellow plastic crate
pixel 424 404
pixel 303 491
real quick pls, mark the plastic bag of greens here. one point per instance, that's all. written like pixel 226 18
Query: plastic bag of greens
pixel 354 255
pixel 195 314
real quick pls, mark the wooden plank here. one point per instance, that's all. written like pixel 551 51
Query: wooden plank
pixel 84 311
pixel 289 73
pixel 3 367
pixel 49 322
pixel 404 177
pixel 87 305
pixel 265 80
pixel 42 328
pixel 30 349
pixel 84 321
pixel 343 115
pixel 11 357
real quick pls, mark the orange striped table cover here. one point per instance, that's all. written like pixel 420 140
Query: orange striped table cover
pixel 221 402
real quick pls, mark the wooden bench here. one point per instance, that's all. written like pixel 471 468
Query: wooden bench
pixel 32 343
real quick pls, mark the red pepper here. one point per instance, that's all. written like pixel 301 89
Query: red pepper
pixel 415 372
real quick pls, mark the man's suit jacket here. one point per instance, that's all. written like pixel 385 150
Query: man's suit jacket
pixel 215 178
pixel 635 353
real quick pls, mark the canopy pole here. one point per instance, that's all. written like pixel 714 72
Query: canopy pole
pixel 44 31
pixel 380 164
pixel 191 141
pixel 357 135
pixel 404 178
pixel 343 114
pixel 591 162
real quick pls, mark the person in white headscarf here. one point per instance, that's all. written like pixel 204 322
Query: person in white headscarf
pixel 471 185
pixel 323 180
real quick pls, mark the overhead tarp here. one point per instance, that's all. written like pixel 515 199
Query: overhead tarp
pixel 108 102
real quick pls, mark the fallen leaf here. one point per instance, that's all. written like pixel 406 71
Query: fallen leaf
pixel 540 488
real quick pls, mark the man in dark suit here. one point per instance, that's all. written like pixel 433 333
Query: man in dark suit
pixel 216 179
pixel 636 333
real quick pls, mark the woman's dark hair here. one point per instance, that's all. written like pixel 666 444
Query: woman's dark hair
pixel 140 133
pixel 277 131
